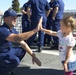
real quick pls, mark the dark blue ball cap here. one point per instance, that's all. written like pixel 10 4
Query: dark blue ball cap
pixel 11 13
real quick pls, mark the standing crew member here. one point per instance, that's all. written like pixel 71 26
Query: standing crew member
pixel 39 8
pixel 58 10
pixel 25 18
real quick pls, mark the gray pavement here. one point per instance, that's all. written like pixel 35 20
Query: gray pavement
pixel 50 64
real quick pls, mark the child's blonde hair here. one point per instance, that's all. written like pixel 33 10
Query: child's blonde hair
pixel 69 22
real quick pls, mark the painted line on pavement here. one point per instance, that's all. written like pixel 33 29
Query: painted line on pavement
pixel 55 52
pixel 50 52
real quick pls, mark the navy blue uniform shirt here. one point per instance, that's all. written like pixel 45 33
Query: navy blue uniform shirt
pixel 4 33
pixel 25 9
pixel 60 5
pixel 39 8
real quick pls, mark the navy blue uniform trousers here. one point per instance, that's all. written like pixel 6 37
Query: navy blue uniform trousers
pixel 40 34
pixel 56 27
pixel 25 25
pixel 48 38
pixel 11 59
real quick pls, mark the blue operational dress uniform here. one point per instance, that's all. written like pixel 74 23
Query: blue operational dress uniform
pixel 25 21
pixel 48 38
pixel 58 17
pixel 10 56
pixel 39 8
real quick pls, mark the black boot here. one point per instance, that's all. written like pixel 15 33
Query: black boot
pixel 39 48
pixel 54 47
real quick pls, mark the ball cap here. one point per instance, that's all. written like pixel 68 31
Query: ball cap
pixel 11 13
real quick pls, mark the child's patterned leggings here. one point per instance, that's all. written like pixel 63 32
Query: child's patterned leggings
pixel 68 73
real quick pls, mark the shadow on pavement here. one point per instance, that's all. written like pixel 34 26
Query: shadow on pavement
pixel 28 71
pixel 74 72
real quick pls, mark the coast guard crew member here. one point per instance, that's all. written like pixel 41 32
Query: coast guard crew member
pixel 48 38
pixel 58 10
pixel 25 18
pixel 39 8
pixel 10 56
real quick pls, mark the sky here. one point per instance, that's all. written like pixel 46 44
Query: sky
pixel 5 4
